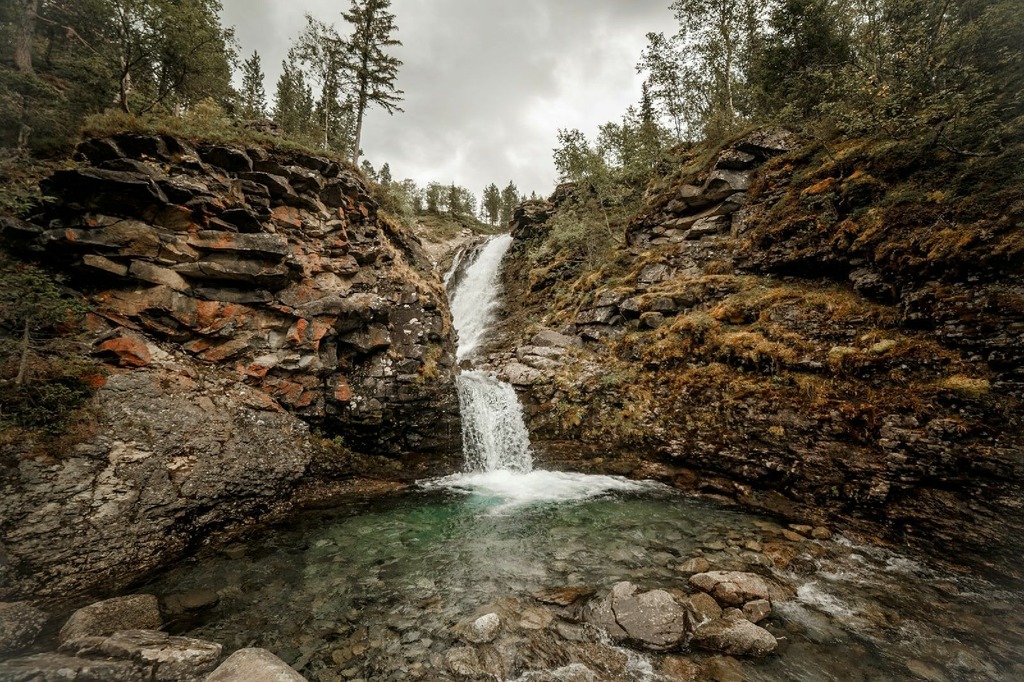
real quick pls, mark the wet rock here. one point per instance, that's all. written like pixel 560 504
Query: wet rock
pixel 735 635
pixel 821 534
pixel 564 596
pixel 102 619
pixel 652 619
pixel 733 588
pixel 20 624
pixel 757 610
pixel 722 669
pixel 484 629
pixel 536 619
pixel 694 565
pixel 170 659
pixel 679 669
pixel 254 665
pixel 61 668
pixel 193 600
pixel 701 609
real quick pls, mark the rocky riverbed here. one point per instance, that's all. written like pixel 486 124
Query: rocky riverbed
pixel 644 584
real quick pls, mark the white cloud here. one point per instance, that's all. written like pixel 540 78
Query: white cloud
pixel 487 83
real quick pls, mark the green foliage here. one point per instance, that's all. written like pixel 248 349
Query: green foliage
pixel 45 406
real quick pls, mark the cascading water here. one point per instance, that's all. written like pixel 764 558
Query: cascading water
pixel 493 431
pixel 496 443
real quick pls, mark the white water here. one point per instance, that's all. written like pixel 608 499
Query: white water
pixel 496 443
pixel 474 300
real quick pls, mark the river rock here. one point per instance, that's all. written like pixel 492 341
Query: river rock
pixel 757 610
pixel 701 609
pixel 735 635
pixel 61 668
pixel 484 629
pixel 102 619
pixel 172 659
pixel 254 665
pixel 20 624
pixel 653 619
pixel 564 596
pixel 733 588
pixel 694 565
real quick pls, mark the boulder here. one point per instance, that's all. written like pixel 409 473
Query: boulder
pixel 133 612
pixel 734 635
pixel 483 630
pixel 20 624
pixel 701 609
pixel 652 619
pixel 169 659
pixel 733 588
pixel 757 610
pixel 548 338
pixel 254 665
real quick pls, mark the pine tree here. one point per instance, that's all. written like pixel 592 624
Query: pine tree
pixel 293 101
pixel 509 200
pixel 371 70
pixel 492 203
pixel 384 176
pixel 253 95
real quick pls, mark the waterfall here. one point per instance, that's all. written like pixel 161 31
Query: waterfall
pixel 496 444
pixel 494 434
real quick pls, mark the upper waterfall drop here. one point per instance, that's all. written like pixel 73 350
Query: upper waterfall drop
pixel 476 296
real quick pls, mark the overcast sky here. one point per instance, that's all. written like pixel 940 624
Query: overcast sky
pixel 487 82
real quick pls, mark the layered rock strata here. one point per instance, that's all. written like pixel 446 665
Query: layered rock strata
pixel 781 329
pixel 237 297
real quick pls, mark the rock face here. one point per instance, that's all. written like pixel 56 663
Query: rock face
pixel 185 450
pixel 272 264
pixel 237 297
pixel 821 339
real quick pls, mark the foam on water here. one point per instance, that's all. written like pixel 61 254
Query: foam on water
pixel 510 489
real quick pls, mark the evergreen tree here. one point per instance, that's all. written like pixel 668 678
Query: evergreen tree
pixel 253 95
pixel 509 200
pixel 371 71
pixel 491 203
pixel 293 101
pixel 384 176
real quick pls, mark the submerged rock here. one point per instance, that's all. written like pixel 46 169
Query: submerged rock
pixel 484 629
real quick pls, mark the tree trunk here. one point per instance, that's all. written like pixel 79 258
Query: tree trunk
pixel 361 107
pixel 25 346
pixel 25 36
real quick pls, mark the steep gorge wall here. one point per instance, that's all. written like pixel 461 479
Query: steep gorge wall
pixel 238 296
pixel 832 335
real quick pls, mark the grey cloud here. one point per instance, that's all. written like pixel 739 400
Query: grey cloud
pixel 487 84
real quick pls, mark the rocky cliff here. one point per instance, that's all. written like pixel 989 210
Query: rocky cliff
pixel 237 297
pixel 825 333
